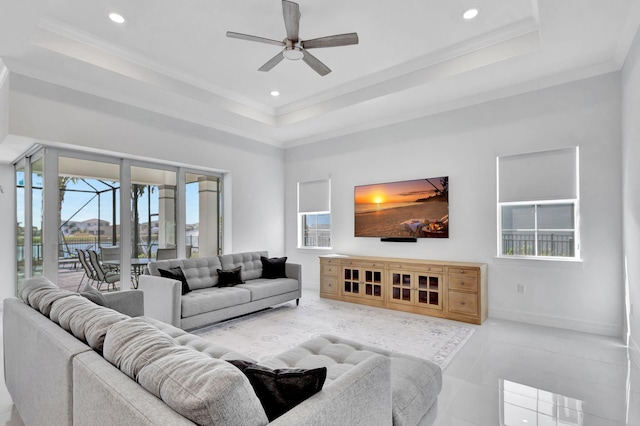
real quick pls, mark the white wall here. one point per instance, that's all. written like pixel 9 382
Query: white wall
pixel 7 232
pixel 630 181
pixel 51 113
pixel 4 101
pixel 463 145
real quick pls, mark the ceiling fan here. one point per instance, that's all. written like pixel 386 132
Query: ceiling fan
pixel 293 47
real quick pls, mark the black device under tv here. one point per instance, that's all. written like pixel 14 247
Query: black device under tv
pixel 398 240
pixel 403 211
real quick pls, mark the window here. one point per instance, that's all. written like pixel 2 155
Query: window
pixel 538 206
pixel 314 214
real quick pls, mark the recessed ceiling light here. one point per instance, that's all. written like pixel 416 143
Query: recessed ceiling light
pixel 470 14
pixel 275 93
pixel 116 17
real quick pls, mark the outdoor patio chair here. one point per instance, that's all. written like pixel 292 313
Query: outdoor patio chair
pixel 89 273
pixel 108 277
pixel 166 253
pixel 110 253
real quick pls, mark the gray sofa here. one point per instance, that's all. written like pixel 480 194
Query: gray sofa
pixel 69 361
pixel 206 303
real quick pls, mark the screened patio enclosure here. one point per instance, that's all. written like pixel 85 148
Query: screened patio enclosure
pixel 78 201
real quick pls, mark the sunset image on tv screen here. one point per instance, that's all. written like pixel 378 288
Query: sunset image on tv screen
pixel 414 208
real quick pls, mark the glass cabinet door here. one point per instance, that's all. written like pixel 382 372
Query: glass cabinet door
pixel 351 281
pixel 373 284
pixel 401 286
pixel 429 290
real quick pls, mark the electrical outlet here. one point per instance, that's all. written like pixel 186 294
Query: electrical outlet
pixel 521 288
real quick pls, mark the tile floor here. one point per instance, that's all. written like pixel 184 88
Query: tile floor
pixel 516 374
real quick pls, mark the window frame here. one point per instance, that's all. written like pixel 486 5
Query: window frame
pixel 536 230
pixel 301 233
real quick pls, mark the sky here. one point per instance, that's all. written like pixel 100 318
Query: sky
pixel 81 206
pixel 396 192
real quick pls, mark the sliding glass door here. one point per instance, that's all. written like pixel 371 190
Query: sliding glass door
pixel 69 201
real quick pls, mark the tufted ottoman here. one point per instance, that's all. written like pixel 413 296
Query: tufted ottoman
pixel 415 383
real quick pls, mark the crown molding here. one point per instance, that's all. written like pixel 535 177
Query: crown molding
pixel 56 36
pixel 400 71
pixel 512 90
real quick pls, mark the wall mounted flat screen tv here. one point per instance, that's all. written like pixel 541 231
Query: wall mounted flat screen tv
pixel 408 209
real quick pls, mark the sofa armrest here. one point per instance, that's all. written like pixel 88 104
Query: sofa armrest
pixel 128 302
pixel 162 298
pixel 294 270
pixel 361 396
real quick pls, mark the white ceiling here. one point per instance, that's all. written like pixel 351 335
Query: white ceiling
pixel 415 57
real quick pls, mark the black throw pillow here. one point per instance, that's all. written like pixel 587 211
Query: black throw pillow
pixel 176 273
pixel 230 277
pixel 282 389
pixel 274 267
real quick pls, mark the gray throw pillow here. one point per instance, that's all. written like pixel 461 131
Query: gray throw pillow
pixel 94 295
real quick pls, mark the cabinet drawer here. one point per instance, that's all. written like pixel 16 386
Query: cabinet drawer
pixel 329 285
pixel 326 261
pixel 467 281
pixel 363 264
pixel 329 270
pixel 463 303
pixel 415 267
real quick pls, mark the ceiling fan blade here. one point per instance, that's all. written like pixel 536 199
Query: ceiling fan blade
pixel 254 38
pixel 291 12
pixel 272 62
pixel 331 41
pixel 315 64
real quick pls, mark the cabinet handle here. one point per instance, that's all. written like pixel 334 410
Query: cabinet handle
pixel 461 282
pixel 462 303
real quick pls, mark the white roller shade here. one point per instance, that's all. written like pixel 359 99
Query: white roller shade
pixel 314 196
pixel 537 176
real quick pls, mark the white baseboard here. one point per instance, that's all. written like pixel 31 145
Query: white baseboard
pixel 558 322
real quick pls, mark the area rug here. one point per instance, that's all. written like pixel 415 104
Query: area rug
pixel 274 330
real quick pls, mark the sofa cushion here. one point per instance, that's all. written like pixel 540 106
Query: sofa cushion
pixel 85 320
pixel 415 383
pixel 274 267
pixel 200 272
pixel 132 344
pixel 205 390
pixel 229 278
pixel 250 262
pixel 40 293
pixel 197 343
pixel 282 389
pixel 262 288
pixel 33 284
pixel 211 299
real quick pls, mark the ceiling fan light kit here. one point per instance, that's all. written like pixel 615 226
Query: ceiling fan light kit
pixel 295 49
pixel 293 53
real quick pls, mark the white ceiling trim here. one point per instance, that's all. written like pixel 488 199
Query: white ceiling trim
pixel 440 70
pixel 74 42
pixel 530 86
pixel 505 34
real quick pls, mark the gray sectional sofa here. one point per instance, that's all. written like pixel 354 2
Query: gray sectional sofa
pixel 69 361
pixel 207 303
